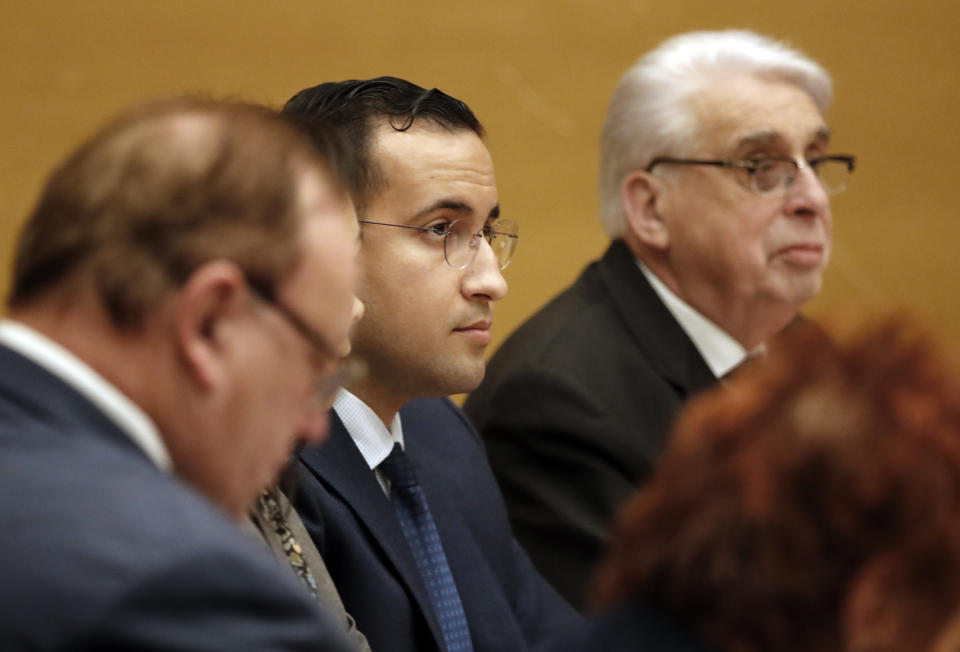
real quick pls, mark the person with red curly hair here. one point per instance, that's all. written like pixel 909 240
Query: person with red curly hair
pixel 798 508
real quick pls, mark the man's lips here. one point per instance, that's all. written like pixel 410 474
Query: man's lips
pixel 802 254
pixel 479 331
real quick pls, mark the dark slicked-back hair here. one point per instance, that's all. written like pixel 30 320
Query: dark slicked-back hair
pixel 163 189
pixel 356 107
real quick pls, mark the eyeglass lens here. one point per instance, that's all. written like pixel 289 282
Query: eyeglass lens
pixel 461 245
pixel 778 175
pixel 833 175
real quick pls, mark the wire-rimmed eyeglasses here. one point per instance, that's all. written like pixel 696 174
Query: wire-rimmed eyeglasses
pixel 772 175
pixel 341 374
pixel 460 245
pixel 317 340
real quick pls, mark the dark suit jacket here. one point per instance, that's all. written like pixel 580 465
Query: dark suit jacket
pixel 103 551
pixel 575 408
pixel 509 607
pixel 634 627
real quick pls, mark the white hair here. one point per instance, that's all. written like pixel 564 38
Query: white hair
pixel 650 114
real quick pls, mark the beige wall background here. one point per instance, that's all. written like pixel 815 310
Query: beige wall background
pixel 538 74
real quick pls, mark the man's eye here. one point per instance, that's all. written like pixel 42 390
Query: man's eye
pixel 758 164
pixel 440 229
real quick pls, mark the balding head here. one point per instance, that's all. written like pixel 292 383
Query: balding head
pixel 158 192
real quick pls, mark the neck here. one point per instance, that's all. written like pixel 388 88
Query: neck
pixel 86 332
pixel 82 327
pixel 384 402
pixel 749 323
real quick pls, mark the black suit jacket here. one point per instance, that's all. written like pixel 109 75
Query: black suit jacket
pixel 103 551
pixel 575 408
pixel 634 627
pixel 509 607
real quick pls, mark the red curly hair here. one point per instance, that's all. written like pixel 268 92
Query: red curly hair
pixel 778 489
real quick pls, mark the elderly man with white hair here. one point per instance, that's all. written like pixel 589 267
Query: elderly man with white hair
pixel 715 176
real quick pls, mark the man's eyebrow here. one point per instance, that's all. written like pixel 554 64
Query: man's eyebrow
pixel 758 138
pixel 770 137
pixel 456 206
pixel 445 204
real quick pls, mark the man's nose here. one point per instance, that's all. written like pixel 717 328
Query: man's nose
pixel 483 277
pixel 807 196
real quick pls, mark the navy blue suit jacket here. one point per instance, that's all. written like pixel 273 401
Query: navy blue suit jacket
pixel 635 627
pixel 509 607
pixel 103 551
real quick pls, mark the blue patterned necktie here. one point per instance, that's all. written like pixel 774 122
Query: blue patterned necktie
pixel 410 506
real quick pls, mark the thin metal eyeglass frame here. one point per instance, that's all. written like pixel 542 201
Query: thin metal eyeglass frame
pixel 752 165
pixel 315 338
pixel 449 232
pixel 347 371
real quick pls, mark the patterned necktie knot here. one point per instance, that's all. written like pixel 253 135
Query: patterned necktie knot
pixel 397 469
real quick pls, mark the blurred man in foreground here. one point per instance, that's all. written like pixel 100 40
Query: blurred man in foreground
pixel 715 171
pixel 181 292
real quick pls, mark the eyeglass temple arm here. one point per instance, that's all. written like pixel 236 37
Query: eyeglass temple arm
pixel 694 161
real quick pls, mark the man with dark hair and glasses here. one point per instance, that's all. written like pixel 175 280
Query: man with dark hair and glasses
pixel 400 501
pixel 181 301
pixel 715 176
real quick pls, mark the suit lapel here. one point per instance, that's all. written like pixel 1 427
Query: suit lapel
pixel 654 329
pixel 342 468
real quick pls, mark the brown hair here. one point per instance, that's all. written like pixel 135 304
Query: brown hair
pixel 161 190
pixel 908 597
pixel 776 490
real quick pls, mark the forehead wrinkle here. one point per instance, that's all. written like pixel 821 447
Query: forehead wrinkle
pixel 770 137
pixel 745 111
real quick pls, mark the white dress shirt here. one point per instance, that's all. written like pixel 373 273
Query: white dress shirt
pixel 368 432
pixel 95 388
pixel 720 351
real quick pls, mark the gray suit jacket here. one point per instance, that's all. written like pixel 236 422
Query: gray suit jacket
pixel 103 551
pixel 261 527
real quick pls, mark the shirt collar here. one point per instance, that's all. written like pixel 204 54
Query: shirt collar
pixel 720 351
pixel 368 432
pixel 46 353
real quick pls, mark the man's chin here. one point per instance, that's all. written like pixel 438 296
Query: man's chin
pixel 809 287
pixel 796 288
pixel 465 378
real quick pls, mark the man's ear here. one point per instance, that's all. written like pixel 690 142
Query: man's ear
pixel 204 309
pixel 641 195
